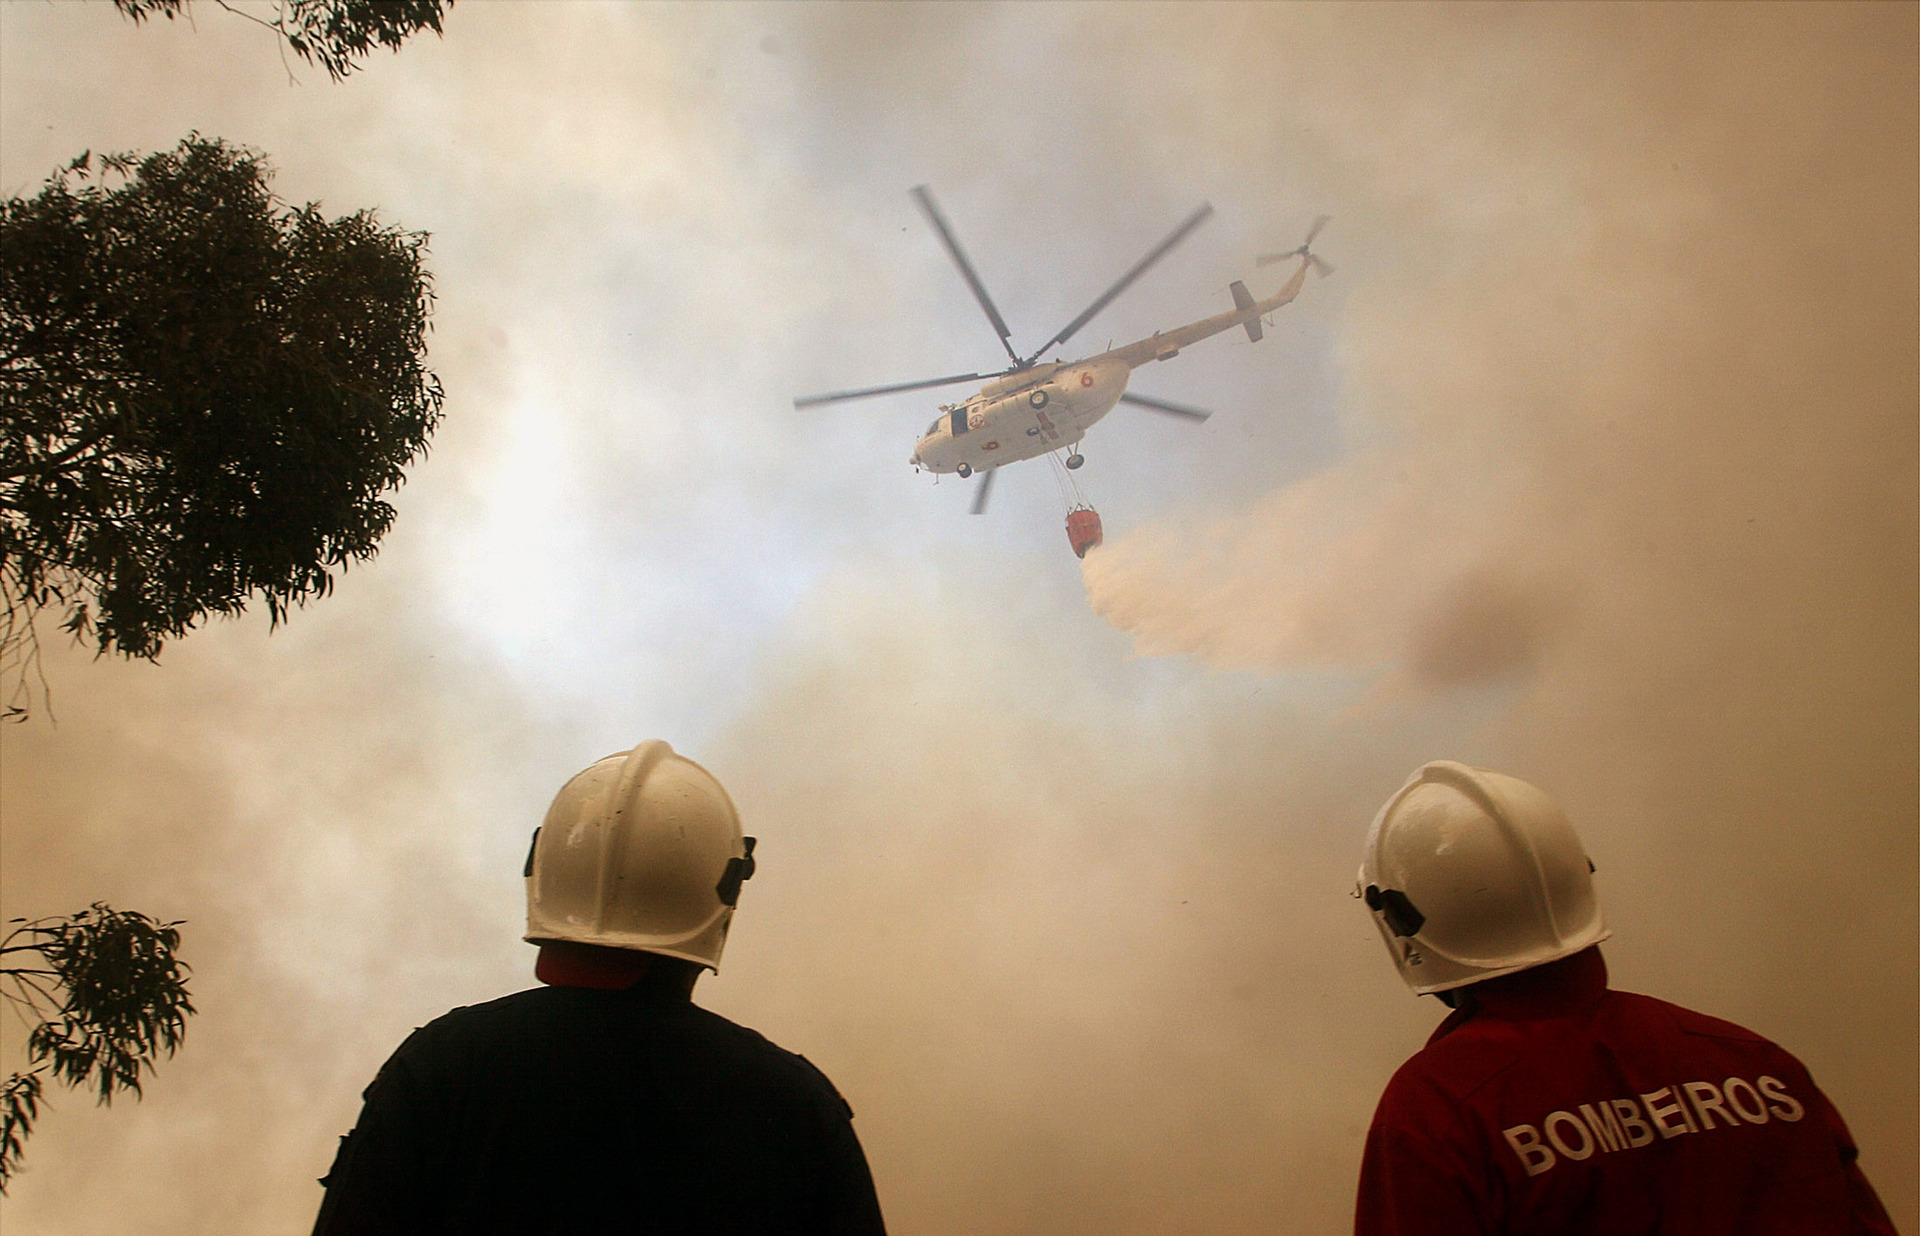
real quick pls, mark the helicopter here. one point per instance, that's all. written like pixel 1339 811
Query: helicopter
pixel 1029 408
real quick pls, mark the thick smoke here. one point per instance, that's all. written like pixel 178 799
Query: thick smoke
pixel 1632 382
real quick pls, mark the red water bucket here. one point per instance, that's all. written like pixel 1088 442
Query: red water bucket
pixel 1083 530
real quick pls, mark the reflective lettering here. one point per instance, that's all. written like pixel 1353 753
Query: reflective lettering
pixel 1706 1101
pixel 1552 1123
pixel 1639 1132
pixel 1613 1125
pixel 1758 1114
pixel 1784 1105
pixel 1525 1140
pixel 1606 1127
pixel 1661 1104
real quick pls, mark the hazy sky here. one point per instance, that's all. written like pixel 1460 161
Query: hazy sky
pixel 1597 461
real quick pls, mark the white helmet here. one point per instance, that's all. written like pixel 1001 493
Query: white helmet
pixel 641 851
pixel 1472 874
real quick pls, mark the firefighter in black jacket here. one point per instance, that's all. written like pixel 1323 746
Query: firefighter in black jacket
pixel 606 1101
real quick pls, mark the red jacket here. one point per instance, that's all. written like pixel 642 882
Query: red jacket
pixel 1559 1106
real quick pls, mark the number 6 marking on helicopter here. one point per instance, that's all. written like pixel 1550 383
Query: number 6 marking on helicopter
pixel 1086 377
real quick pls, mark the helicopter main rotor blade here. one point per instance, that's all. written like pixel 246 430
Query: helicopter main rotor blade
pixel 810 401
pixel 1161 405
pixel 984 488
pixel 1067 332
pixel 924 196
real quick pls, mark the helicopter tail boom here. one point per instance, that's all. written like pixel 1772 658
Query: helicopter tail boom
pixel 1246 312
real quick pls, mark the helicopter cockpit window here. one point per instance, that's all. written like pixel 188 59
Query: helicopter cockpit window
pixel 935 427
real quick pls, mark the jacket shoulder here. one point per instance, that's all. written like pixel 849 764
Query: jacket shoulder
pixel 471 1019
pixel 1464 1055
pixel 1685 1019
pixel 797 1069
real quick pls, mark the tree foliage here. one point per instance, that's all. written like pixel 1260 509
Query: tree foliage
pixel 106 995
pixel 204 393
pixel 334 33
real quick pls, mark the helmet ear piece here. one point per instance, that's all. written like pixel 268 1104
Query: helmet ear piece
pixel 1403 917
pixel 739 871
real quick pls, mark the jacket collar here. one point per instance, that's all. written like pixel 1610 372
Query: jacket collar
pixel 1563 988
pixel 563 963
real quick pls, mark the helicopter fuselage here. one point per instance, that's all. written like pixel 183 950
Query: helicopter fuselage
pixel 1022 415
pixel 1032 411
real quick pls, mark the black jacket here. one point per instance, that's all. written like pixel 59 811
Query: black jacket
pixel 570 1110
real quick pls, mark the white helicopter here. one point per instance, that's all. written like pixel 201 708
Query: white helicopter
pixel 1030 409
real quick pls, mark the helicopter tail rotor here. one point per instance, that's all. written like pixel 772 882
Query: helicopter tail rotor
pixel 1320 266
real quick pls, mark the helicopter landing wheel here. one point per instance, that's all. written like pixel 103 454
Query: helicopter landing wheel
pixel 965 471
pixel 1076 459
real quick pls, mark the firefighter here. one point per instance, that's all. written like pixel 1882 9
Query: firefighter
pixel 1546 1102
pixel 606 1100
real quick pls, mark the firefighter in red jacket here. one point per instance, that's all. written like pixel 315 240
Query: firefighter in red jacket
pixel 1547 1102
